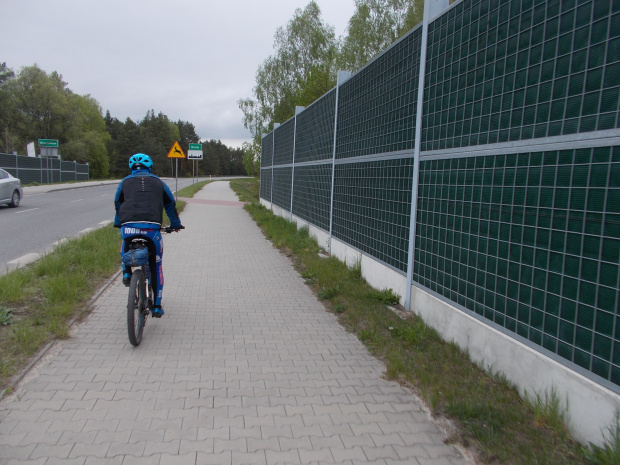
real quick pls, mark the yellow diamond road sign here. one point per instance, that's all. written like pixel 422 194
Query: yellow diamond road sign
pixel 176 151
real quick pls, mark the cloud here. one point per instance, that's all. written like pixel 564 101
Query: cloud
pixel 190 59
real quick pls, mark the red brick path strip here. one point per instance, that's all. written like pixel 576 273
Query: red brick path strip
pixel 223 203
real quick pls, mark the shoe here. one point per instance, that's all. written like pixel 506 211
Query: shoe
pixel 157 311
pixel 126 279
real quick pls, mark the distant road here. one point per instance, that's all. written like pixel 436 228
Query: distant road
pixel 43 218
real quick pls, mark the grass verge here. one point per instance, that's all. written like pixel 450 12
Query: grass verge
pixel 38 302
pixel 491 419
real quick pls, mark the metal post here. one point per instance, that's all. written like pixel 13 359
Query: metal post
pixel 273 152
pixel 431 7
pixel 298 110
pixel 342 77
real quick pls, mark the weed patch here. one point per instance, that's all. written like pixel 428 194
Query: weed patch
pixel 385 296
pixel 309 276
pixel 548 411
pixel 6 316
pixel 609 453
pixel 356 269
pixel 246 189
pixel 328 293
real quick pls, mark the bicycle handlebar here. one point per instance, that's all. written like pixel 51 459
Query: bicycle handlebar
pixel 170 229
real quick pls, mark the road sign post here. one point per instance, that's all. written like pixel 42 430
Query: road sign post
pixel 194 153
pixel 176 152
pixel 48 148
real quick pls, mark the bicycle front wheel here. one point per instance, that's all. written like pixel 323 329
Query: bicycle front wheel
pixel 136 307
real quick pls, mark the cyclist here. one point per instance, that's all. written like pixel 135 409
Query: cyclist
pixel 139 203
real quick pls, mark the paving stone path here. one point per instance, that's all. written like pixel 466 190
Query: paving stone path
pixel 246 367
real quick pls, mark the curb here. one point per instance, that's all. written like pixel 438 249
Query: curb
pixel 16 380
pixel 45 188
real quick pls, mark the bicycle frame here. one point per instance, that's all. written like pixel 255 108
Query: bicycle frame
pixel 140 299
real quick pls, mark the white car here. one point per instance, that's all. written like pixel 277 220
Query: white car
pixel 11 191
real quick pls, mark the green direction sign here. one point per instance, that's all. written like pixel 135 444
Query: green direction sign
pixel 48 143
pixel 194 152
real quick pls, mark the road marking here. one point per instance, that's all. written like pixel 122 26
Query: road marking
pixel 29 210
pixel 78 200
pixel 105 223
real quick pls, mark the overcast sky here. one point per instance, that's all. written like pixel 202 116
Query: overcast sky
pixel 192 60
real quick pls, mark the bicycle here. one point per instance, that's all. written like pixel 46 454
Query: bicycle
pixel 140 300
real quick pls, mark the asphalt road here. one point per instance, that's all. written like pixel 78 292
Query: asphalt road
pixel 44 218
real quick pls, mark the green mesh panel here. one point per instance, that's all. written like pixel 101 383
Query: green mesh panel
pixel 372 207
pixel 530 242
pixel 282 179
pixel 384 119
pixel 266 160
pixel 515 70
pixel 283 141
pixel 312 196
pixel 265 184
pixel 315 130
pixel 266 157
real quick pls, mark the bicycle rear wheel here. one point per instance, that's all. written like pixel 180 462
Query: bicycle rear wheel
pixel 136 307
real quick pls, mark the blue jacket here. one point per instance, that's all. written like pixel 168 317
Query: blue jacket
pixel 140 200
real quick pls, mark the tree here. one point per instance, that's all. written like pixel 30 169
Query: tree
pixel 157 135
pixel 301 70
pixel 220 160
pixel 251 163
pixel 86 137
pixel 374 26
pixel 124 141
pixel 305 59
pixel 187 134
pixel 39 105
pixel 6 109
pixel 89 148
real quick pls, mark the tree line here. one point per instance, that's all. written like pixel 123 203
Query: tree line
pixel 307 57
pixel 37 105
pixel 155 135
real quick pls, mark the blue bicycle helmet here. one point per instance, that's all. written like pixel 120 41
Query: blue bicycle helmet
pixel 140 160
